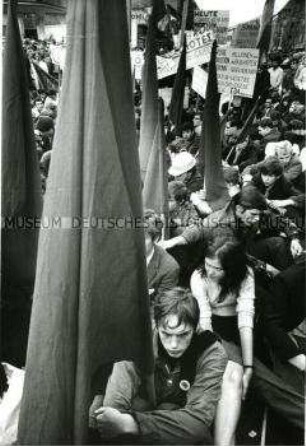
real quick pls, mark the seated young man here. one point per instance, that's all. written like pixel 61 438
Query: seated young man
pixel 188 373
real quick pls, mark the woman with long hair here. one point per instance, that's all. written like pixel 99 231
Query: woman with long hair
pixel 225 289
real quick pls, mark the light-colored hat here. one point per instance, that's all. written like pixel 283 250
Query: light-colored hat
pixel 181 163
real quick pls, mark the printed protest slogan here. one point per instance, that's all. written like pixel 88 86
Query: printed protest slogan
pixel 198 53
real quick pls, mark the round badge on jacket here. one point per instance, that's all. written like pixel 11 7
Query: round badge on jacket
pixel 184 385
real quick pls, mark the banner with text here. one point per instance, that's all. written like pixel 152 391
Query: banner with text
pixel 198 52
pixel 215 21
pixel 245 35
pixel 236 70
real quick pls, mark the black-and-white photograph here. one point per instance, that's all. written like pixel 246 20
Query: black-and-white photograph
pixel 153 165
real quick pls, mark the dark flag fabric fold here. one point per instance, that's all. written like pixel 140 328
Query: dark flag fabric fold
pixel 264 35
pixel 155 189
pixel 178 92
pixel 149 105
pixel 210 144
pixel 91 305
pixel 21 192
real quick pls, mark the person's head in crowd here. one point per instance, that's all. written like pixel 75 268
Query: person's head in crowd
pixel 295 126
pixel 270 170
pixel 182 166
pixel 296 107
pixel 265 126
pixel 42 94
pixel 39 105
pixel 275 97
pixel 249 205
pixel 45 125
pixel 232 179
pixel 178 192
pixel 268 103
pixel 276 61
pixel 232 128
pixel 197 124
pixel 187 130
pixel 175 147
pixel 176 316
pixel 225 263
pixel 52 94
pixel 284 152
pixel 153 226
pixel 275 116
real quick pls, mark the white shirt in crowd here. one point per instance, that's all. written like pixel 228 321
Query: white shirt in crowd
pixel 276 77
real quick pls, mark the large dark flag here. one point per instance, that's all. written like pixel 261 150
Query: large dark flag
pixel 149 103
pixel 155 189
pixel 178 92
pixel 90 305
pixel 264 35
pixel 21 194
pixel 210 144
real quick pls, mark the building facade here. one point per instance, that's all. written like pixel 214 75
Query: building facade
pixel 40 19
pixel 288 29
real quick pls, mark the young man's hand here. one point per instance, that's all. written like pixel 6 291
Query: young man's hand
pixel 111 422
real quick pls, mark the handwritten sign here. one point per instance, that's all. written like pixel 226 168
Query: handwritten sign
pixel 236 70
pixel 215 21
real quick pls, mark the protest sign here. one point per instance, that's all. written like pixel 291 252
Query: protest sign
pixel 198 52
pixel 216 21
pixel 236 70
pixel 245 35
pixel 199 81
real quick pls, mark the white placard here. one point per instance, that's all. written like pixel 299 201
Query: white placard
pixel 199 81
pixel 236 70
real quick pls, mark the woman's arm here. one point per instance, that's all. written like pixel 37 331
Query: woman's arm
pixel 246 311
pixel 198 290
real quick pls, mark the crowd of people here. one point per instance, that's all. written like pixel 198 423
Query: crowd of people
pixel 227 287
pixel 238 273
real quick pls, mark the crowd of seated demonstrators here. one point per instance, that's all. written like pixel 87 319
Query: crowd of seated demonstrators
pixel 243 265
pixel 227 287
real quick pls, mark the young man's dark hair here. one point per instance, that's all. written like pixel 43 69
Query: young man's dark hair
pixel 180 302
pixel 271 166
pixel 251 198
